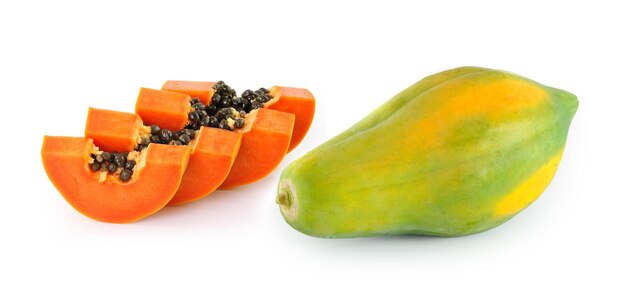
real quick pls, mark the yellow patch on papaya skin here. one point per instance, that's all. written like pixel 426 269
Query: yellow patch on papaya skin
pixel 493 100
pixel 529 190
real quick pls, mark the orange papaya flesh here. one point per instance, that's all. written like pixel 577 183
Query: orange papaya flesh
pixel 202 90
pixel 153 106
pixel 298 101
pixel 212 156
pixel 157 176
pixel 265 142
pixel 113 130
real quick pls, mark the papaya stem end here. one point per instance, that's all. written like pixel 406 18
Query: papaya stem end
pixel 287 199
pixel 284 198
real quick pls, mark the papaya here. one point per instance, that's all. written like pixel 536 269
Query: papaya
pixel 298 101
pixel 267 134
pixel 156 178
pixel 457 153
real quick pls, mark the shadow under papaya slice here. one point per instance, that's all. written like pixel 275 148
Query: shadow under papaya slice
pixel 157 176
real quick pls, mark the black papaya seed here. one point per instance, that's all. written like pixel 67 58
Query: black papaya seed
pixel 225 102
pixel 130 164
pixel 255 104
pixel 204 121
pixel 95 166
pixel 155 139
pixel 245 105
pixel 184 139
pixel 239 122
pixel 248 95
pixel 190 133
pixel 119 159
pixel 194 126
pixel 194 116
pixel 106 156
pixel 166 136
pixel 111 167
pixel 216 100
pixel 154 129
pixel 224 124
pixel 145 141
pixel 213 122
pixel 198 106
pixel 125 175
pixel 236 103
pixel 211 109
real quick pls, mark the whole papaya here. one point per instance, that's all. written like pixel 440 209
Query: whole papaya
pixel 457 153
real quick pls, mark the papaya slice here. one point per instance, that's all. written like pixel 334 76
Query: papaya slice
pixel 157 176
pixel 298 101
pixel 113 130
pixel 149 108
pixel 212 157
pixel 264 145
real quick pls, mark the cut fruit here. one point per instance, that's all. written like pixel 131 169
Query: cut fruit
pixel 211 159
pixel 153 105
pixel 264 145
pixel 202 90
pixel 157 176
pixel 113 130
pixel 265 141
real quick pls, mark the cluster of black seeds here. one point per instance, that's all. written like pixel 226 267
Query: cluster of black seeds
pixel 111 162
pixel 165 136
pixel 225 105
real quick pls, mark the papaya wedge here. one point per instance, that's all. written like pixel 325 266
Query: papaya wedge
pixel 157 176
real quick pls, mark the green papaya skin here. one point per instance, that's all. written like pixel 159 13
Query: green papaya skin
pixel 457 153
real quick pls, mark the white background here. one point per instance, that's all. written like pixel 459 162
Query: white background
pixel 58 57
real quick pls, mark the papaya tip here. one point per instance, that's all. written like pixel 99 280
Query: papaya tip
pixel 287 199
pixel 283 199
